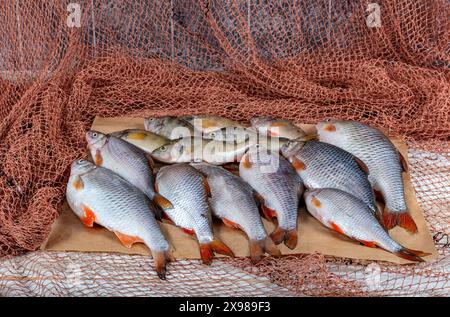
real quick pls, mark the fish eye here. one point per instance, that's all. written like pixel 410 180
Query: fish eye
pixel 327 120
pixel 94 134
pixel 163 148
pixel 80 161
pixel 213 134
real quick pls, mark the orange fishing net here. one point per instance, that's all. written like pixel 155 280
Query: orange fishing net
pixel 62 63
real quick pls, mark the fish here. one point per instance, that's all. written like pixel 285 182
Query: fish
pixel 279 188
pixel 348 215
pixel 207 123
pixel 126 160
pixel 384 162
pixel 230 134
pixel 188 190
pixel 197 149
pixel 145 140
pixel 277 127
pixel 323 165
pixel 169 127
pixel 233 201
pixel 97 195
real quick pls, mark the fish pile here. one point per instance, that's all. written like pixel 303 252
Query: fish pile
pixel 212 167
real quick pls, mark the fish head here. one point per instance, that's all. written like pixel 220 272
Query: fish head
pixel 81 166
pixel 156 124
pixel 96 140
pixel 292 147
pixel 218 135
pixel 170 152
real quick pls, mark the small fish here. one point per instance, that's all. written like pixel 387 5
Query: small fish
pixel 230 134
pixel 169 127
pixel 145 140
pixel 383 160
pixel 233 201
pixel 197 149
pixel 97 195
pixel 188 190
pixel 350 216
pixel 322 165
pixel 126 160
pixel 209 123
pixel 277 127
pixel 276 182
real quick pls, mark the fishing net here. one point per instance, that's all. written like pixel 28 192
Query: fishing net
pixel 62 63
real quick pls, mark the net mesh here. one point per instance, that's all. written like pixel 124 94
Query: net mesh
pixel 62 63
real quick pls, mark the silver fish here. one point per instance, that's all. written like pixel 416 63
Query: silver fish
pixel 97 195
pixel 230 134
pixel 205 123
pixel 384 162
pixel 126 160
pixel 197 149
pixel 274 179
pixel 169 127
pixel 350 216
pixel 277 127
pixel 145 140
pixel 322 165
pixel 233 201
pixel 188 191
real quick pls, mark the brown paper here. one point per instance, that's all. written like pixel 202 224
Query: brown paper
pixel 69 234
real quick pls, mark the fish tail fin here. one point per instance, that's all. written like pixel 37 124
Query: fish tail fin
pixel 411 255
pixel 259 247
pixel 161 258
pixel 288 236
pixel 402 219
pixel 207 250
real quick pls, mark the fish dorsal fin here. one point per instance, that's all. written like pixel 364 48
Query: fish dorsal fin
pixel 403 162
pixel 362 165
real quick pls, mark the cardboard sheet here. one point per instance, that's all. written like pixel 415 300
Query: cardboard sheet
pixel 69 234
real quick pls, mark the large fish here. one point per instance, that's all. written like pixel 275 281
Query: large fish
pixel 207 123
pixel 145 140
pixel 169 127
pixel 278 186
pixel 350 216
pixel 384 162
pixel 322 165
pixel 188 191
pixel 233 201
pixel 277 127
pixel 126 160
pixel 197 149
pixel 97 195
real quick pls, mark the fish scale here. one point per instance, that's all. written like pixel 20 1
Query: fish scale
pixel 348 215
pixel 383 160
pixel 118 206
pixel 327 166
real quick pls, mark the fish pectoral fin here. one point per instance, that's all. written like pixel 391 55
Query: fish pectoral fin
pixel 298 164
pixel 98 158
pixel 259 247
pixel 207 250
pixel 268 213
pixel 162 202
pixel 78 184
pixel 336 228
pixel 127 240
pixel 403 219
pixel 88 218
pixel 206 185
pixel 231 224
pixel 362 165
pixel 369 244
pixel 403 162
pixel 161 258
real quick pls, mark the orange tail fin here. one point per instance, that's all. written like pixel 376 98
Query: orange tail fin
pixel 404 220
pixel 411 255
pixel 207 250
pixel 161 258
pixel 288 236
pixel 259 247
